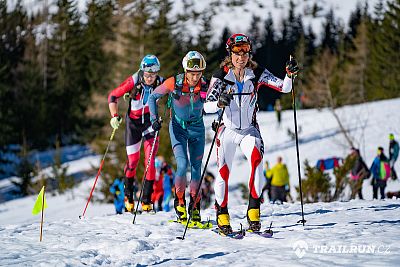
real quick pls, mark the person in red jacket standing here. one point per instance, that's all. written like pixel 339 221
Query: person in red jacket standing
pixel 138 88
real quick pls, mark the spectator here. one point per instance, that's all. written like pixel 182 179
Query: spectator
pixel 380 170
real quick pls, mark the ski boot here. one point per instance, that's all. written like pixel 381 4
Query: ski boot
pixel 253 214
pixel 180 209
pixel 196 210
pixel 129 206
pixel 147 207
pixel 253 218
pixel 128 199
pixel 223 219
pixel 146 199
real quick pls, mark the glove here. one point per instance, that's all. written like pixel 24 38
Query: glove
pixel 224 100
pixel 292 68
pixel 156 125
pixel 115 121
pixel 214 125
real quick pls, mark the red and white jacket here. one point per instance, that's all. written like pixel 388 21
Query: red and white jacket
pixel 134 85
pixel 239 114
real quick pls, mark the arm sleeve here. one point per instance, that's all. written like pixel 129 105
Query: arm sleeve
pixel 213 94
pixel 123 88
pixel 270 80
pixel 112 188
pixel 396 152
pixel 166 87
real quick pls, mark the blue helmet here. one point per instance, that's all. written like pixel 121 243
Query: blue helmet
pixel 150 63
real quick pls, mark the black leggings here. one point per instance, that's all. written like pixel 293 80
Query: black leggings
pixel 381 185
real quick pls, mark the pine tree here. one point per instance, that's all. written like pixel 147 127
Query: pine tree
pixel 219 52
pixel 354 72
pixel 316 185
pixel 162 41
pixel 342 179
pixel 204 38
pixel 68 93
pixel 98 31
pixel 323 89
pixel 13 27
pixel 267 56
pixel 391 26
pixel 59 172
pixel 377 86
pixel 330 33
pixel 254 33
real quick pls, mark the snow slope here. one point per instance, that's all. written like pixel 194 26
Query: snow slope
pixel 356 233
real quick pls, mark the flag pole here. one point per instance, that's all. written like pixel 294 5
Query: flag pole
pixel 41 222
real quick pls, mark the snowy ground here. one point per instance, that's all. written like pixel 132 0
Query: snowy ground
pixel 356 233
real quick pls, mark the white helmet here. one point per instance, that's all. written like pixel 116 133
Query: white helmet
pixel 193 61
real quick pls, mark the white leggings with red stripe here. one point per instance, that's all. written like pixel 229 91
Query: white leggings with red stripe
pixel 252 146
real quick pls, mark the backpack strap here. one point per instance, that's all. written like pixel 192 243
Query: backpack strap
pixel 257 74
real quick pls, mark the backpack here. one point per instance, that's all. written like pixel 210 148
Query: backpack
pixel 384 173
pixel 177 92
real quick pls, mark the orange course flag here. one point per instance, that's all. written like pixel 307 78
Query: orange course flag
pixel 39 203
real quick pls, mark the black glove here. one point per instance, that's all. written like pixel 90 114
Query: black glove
pixel 224 100
pixel 156 125
pixel 291 67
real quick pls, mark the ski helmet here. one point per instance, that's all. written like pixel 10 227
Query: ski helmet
pixel 150 63
pixel 239 40
pixel 193 61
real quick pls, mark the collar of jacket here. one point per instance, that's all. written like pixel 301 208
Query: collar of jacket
pixel 248 75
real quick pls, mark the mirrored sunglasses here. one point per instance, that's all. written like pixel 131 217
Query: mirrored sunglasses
pixel 245 48
pixel 195 63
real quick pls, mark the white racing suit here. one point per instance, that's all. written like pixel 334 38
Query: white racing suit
pixel 240 127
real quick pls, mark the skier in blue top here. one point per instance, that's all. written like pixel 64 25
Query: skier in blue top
pixel 187 93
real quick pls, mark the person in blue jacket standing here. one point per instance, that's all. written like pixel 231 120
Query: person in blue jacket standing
pixel 380 170
pixel 117 189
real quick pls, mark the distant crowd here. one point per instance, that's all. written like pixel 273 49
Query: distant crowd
pixel 381 169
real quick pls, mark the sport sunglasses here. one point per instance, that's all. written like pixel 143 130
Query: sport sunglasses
pixel 195 63
pixel 245 48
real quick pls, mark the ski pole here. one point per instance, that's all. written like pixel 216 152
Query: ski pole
pixel 297 147
pixel 98 173
pixel 202 175
pixel 145 174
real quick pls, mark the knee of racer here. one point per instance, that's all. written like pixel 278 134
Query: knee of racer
pixel 181 164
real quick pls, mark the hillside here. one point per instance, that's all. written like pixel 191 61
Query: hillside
pixel 357 233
